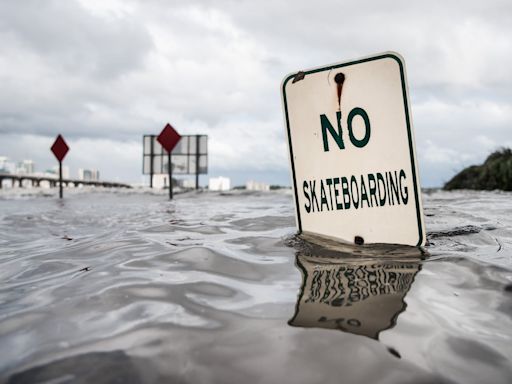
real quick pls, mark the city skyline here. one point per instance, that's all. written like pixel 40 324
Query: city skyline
pixel 29 167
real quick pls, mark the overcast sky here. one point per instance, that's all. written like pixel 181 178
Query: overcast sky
pixel 103 73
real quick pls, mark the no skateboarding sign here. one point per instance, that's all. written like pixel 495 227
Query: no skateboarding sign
pixel 352 152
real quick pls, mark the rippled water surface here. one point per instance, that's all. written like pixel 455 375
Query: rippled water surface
pixel 112 286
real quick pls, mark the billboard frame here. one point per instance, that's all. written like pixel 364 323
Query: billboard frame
pixel 197 153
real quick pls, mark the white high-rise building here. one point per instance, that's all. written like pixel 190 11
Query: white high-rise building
pixel 7 166
pixel 219 184
pixel 256 186
pixel 161 181
pixel 65 171
pixel 88 174
pixel 26 167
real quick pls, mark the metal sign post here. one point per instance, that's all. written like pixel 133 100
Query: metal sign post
pixel 60 179
pixel 60 149
pixel 151 166
pixel 197 162
pixel 168 139
pixel 170 173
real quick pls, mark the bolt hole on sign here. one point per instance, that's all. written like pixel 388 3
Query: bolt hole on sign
pixel 352 153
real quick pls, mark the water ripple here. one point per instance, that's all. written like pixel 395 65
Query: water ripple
pixel 129 286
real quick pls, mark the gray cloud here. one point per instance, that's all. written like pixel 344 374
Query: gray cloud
pixel 105 72
pixel 64 36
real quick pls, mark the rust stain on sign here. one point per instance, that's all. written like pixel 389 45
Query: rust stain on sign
pixel 298 77
pixel 339 79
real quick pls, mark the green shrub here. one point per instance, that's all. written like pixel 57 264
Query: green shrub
pixel 494 173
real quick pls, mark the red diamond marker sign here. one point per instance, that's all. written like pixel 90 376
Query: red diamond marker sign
pixel 59 148
pixel 168 138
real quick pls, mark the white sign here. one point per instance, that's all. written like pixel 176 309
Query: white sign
pixel 352 153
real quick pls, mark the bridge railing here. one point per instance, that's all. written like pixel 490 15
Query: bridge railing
pixel 54 181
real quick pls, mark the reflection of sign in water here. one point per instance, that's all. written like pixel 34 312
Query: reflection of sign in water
pixel 358 296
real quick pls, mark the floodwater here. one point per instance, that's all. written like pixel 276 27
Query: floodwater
pixel 125 286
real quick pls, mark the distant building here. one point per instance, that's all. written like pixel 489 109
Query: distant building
pixel 7 166
pixel 26 167
pixel 256 186
pixel 65 171
pixel 160 181
pixel 219 184
pixel 187 183
pixel 88 174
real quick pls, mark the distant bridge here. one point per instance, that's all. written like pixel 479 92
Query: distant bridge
pixel 53 182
